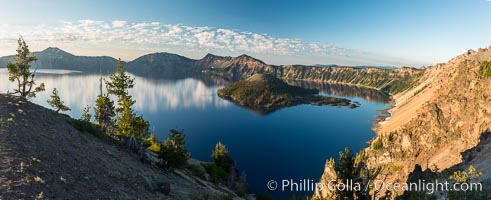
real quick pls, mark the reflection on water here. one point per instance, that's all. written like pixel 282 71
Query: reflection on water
pixel 156 95
pixel 151 95
pixel 344 90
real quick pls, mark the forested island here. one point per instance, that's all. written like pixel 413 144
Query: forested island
pixel 267 93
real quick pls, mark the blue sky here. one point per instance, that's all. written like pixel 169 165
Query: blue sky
pixel 385 32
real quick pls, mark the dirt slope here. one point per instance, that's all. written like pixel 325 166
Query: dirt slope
pixel 42 155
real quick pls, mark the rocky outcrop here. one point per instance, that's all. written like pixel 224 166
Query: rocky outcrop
pixel 328 175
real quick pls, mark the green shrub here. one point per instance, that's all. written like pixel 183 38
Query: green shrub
pixel 395 168
pixel 88 127
pixel 155 147
pixel 485 69
pixel 217 174
pixel 378 144
pixel 152 144
pixel 174 151
pixel 196 170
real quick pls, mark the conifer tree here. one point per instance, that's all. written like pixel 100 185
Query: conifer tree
pixel 125 118
pixel 345 171
pixel 20 72
pixel 56 102
pixel 86 116
pixel 129 125
pixel 119 85
pixel 103 110
pixel 173 151
pixel 222 158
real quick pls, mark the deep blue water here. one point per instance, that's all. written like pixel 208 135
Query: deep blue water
pixel 291 143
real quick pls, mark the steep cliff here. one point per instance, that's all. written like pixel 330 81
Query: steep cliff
pixel 433 123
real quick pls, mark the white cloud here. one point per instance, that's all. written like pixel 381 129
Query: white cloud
pixel 155 34
pixel 118 24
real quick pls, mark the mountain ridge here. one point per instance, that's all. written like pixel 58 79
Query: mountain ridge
pixel 169 65
pixel 208 57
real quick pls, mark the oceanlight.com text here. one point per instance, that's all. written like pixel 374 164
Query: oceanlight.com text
pixel 429 187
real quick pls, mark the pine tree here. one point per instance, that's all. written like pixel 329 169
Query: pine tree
pixel 103 110
pixel 20 71
pixel 140 127
pixel 354 169
pixel 56 103
pixel 345 172
pixel 119 85
pixel 86 116
pixel 222 158
pixel 173 151
pixel 125 118
pixel 129 125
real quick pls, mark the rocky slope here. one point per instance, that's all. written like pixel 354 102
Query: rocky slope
pixel 211 61
pixel 441 123
pixel 43 157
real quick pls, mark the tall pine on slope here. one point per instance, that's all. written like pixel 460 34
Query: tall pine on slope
pixel 104 109
pixel 119 84
pixel 20 72
pixel 222 158
pixel 128 123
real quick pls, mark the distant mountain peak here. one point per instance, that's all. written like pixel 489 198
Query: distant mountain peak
pixel 55 50
pixel 161 54
pixel 245 57
pixel 52 49
pixel 211 55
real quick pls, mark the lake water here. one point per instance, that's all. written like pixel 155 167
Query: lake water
pixel 291 143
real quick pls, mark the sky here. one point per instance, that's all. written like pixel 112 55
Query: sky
pixel 345 32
